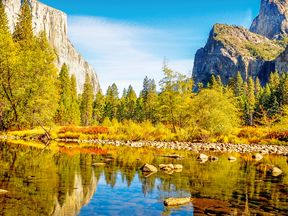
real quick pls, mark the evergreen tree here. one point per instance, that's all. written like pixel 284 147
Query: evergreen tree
pixel 64 113
pixel 3 20
pixel 98 107
pixel 238 85
pixel 258 88
pixel 23 33
pixel 250 105
pixel 75 114
pixel 111 102
pixel 87 102
pixel 130 103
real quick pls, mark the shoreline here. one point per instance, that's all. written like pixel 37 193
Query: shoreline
pixel 186 146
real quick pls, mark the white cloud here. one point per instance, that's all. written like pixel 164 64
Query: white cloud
pixel 125 53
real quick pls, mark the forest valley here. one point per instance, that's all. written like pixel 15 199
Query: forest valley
pixel 33 94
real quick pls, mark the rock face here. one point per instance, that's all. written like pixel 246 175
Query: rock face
pixel 230 49
pixel 54 23
pixel 282 62
pixel 272 21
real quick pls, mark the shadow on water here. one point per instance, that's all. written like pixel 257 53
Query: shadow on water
pixel 62 180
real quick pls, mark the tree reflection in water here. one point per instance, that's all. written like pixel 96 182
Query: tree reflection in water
pixel 60 181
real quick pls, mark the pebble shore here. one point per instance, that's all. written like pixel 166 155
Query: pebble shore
pixel 195 147
pixel 188 146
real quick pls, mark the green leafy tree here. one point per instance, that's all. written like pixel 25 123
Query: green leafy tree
pixel 176 91
pixel 214 112
pixel 8 73
pixel 40 97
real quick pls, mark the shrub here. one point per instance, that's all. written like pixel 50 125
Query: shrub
pixel 84 130
pixel 279 135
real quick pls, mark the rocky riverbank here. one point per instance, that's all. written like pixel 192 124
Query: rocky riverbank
pixel 188 146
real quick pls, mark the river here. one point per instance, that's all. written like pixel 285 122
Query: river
pixel 105 180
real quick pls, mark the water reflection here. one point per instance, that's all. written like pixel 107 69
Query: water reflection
pixel 44 182
pixel 63 181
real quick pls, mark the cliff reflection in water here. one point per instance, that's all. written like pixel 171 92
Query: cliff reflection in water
pixel 63 181
pixel 44 183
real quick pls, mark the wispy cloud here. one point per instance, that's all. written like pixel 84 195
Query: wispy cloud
pixel 125 53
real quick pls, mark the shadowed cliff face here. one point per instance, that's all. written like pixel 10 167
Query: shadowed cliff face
pixel 272 21
pixel 230 49
pixel 282 62
pixel 54 23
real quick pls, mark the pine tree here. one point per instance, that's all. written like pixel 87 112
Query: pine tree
pixel 75 114
pixel 64 112
pixel 87 102
pixel 111 102
pixel 98 107
pixel 23 33
pixel 3 20
pixel 258 88
pixel 130 103
pixel 250 100
pixel 238 85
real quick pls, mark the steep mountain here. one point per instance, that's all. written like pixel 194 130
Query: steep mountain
pixel 272 21
pixel 230 49
pixel 54 23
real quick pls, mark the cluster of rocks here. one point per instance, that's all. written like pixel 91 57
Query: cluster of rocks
pixel 189 146
pixel 195 147
pixel 167 168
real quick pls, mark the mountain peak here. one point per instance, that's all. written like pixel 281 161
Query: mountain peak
pixel 272 21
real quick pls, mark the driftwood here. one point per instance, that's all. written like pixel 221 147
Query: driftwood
pixel 46 137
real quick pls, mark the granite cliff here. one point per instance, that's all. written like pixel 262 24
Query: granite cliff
pixel 256 52
pixel 54 23
pixel 272 21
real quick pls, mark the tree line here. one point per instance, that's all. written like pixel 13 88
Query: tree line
pixel 33 93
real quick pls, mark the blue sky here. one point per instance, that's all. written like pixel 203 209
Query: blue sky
pixel 126 40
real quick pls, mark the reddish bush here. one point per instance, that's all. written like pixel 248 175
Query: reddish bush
pixel 84 130
pixel 279 135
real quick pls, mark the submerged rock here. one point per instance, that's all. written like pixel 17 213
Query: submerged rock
pixel 276 171
pixel 178 166
pixel 166 167
pixel 257 157
pixel 202 157
pixel 231 158
pixel 98 164
pixel 3 191
pixel 177 201
pixel 148 168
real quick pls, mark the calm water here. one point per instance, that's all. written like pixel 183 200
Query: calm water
pixel 63 181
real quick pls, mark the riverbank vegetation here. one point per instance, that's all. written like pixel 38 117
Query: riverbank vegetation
pixel 32 94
